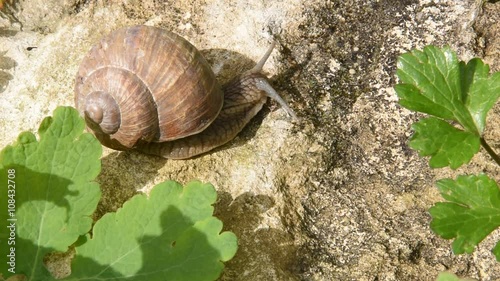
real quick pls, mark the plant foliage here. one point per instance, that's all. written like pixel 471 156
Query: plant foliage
pixel 170 235
pixel 457 96
pixel 54 193
pixel 433 81
pixel 446 276
pixel 472 211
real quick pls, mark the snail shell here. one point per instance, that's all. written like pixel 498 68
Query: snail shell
pixel 149 89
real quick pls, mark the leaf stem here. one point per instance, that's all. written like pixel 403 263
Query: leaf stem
pixel 490 151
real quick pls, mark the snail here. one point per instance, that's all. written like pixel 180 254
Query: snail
pixel 149 89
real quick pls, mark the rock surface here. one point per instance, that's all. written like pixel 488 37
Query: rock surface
pixel 337 196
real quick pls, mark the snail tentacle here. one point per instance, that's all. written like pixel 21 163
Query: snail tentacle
pixel 258 67
pixel 263 84
pixel 244 97
pixel 149 89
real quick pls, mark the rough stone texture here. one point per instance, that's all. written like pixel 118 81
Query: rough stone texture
pixel 338 196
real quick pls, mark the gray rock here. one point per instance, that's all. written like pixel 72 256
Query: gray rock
pixel 338 196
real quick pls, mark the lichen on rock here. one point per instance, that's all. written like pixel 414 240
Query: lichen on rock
pixel 338 196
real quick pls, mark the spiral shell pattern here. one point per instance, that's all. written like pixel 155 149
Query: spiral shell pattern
pixel 145 84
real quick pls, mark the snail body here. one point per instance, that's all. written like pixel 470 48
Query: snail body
pixel 149 89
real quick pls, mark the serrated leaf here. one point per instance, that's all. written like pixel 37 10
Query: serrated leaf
pixel 54 195
pixel 447 145
pixel 433 81
pixel 434 77
pixel 472 211
pixel 169 236
pixel 482 90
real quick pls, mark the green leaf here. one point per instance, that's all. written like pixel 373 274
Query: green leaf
pixel 447 276
pixel 169 236
pixel 496 250
pixel 483 91
pixel 447 145
pixel 51 191
pixel 434 78
pixel 433 81
pixel 472 211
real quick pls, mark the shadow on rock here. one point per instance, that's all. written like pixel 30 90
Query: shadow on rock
pixel 122 175
pixel 264 253
pixel 6 63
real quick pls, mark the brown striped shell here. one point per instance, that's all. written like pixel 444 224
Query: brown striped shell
pixel 145 84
